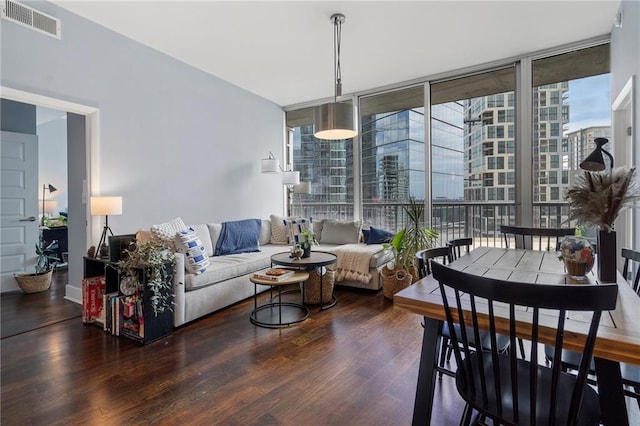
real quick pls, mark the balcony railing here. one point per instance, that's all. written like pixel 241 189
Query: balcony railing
pixel 480 220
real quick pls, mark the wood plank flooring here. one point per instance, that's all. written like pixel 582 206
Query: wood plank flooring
pixel 354 364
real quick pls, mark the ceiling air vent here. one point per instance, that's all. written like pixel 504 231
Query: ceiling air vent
pixel 29 17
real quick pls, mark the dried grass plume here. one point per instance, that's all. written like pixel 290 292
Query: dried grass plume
pixel 598 198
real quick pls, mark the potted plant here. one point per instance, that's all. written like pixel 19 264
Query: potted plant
pixel 41 279
pixel 152 257
pixel 403 271
pixel 308 239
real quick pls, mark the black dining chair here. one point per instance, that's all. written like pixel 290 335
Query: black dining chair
pixel 631 274
pixel 500 386
pixel 423 257
pixel 534 238
pixel 444 255
pixel 460 246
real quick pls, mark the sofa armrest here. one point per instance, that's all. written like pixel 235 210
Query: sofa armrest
pixel 178 291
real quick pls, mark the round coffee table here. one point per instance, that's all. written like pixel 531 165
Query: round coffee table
pixel 318 259
pixel 278 314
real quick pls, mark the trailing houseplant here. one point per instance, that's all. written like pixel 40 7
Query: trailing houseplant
pixel 151 256
pixel 405 244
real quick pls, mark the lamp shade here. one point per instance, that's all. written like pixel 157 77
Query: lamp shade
pixel 290 178
pixel 302 188
pixel 104 206
pixel 270 165
pixel 334 121
pixel 50 206
pixel 595 161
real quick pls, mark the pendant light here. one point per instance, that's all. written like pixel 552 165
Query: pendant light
pixel 335 120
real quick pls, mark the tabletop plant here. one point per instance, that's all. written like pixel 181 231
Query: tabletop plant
pixel 153 257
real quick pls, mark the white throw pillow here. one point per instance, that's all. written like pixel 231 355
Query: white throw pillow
pixel 279 229
pixel 340 232
pixel 196 259
pixel 166 232
pixel 265 232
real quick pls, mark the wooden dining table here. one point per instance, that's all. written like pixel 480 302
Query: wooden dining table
pixel 618 338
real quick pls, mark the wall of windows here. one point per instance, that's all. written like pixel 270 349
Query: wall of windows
pixel 490 148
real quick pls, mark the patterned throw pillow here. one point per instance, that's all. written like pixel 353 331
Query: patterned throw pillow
pixel 167 231
pixel 295 226
pixel 196 259
pixel 279 230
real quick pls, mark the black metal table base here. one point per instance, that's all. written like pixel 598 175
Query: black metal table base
pixel 279 315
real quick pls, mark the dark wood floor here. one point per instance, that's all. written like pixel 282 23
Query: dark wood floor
pixel 21 312
pixel 354 364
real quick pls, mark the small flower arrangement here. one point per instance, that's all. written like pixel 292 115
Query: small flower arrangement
pixel 578 256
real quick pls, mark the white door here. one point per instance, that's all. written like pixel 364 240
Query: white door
pixel 18 206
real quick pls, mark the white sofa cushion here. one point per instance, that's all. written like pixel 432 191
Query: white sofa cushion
pixel 265 232
pixel 214 232
pixel 222 268
pixel 340 232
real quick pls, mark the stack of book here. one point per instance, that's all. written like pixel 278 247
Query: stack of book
pixel 274 274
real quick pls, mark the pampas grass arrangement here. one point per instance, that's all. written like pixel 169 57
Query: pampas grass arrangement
pixel 598 198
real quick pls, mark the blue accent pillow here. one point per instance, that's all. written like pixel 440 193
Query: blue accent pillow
pixel 365 235
pixel 378 236
pixel 239 236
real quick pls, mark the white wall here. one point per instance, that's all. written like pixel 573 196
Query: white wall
pixel 52 159
pixel 173 141
pixel 625 63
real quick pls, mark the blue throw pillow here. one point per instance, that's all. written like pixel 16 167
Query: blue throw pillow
pixel 378 236
pixel 365 234
pixel 240 236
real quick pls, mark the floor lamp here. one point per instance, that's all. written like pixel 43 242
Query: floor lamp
pixel 51 189
pixel 105 206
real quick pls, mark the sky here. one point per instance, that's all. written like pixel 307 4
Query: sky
pixel 590 102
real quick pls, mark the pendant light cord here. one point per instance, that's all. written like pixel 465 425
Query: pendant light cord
pixel 337 36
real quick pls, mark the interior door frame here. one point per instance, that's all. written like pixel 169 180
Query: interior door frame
pixel 91 186
pixel 623 113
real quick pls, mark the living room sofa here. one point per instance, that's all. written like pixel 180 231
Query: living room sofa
pixel 225 279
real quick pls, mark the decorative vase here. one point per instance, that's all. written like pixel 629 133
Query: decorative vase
pixel 578 256
pixel 306 252
pixel 607 255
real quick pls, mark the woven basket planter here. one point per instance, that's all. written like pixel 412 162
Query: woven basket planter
pixel 394 280
pixel 34 283
pixel 312 287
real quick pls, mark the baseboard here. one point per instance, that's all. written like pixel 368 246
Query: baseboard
pixel 73 294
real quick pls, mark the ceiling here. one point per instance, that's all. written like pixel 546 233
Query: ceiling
pixel 283 50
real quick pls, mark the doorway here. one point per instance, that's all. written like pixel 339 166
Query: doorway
pixel 82 160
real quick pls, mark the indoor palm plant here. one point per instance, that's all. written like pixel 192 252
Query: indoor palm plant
pixel 152 257
pixel 405 244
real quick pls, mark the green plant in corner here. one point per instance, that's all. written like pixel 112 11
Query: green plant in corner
pixel 412 238
pixel 153 257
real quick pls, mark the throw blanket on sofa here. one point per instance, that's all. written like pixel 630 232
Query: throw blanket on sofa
pixel 240 236
pixel 353 262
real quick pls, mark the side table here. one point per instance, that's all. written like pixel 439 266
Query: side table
pixel 279 314
pixel 318 259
